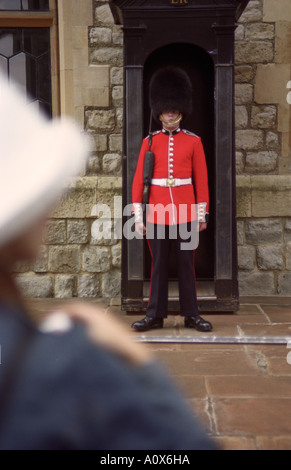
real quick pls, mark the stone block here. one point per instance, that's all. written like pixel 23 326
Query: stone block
pixel 252 13
pixel 35 286
pixel 107 55
pixel 99 142
pixel 248 139
pixel 82 12
pixel 243 196
pixel 239 162
pixel 64 286
pixel 119 118
pixel 78 232
pixel 111 163
pixel 94 96
pixel 117 93
pixel 240 232
pixel 107 183
pixel 88 286
pixel 284 114
pixel 272 140
pixel 259 31
pixel 111 284
pixel 115 143
pixel 102 232
pixel 246 258
pixel 239 33
pixel 96 259
pixel 241 117
pixel 244 73
pixel 94 165
pixel 288 254
pixel 261 162
pixel 270 258
pixel 117 75
pixel 92 76
pixel 264 117
pixel 117 36
pixel 283 42
pixel 77 203
pixel 103 15
pixel 55 232
pixel 270 83
pixel 116 256
pixel 276 11
pixel 21 267
pixel 243 93
pixel 271 196
pixel 64 259
pixel 100 120
pixel 263 231
pixel 98 35
pixel 41 264
pixel 284 284
pixel 256 283
pixel 257 52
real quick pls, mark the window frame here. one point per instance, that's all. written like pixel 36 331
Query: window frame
pixel 40 19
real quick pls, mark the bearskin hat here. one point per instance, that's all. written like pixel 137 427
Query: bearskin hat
pixel 170 88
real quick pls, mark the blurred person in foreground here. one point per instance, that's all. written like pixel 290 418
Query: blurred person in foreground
pixel 76 381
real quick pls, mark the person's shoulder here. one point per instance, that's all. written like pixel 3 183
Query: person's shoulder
pixel 153 134
pixel 191 134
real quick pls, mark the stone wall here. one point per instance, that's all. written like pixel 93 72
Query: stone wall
pixel 80 257
pixel 263 144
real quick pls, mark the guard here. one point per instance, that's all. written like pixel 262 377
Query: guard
pixel 178 205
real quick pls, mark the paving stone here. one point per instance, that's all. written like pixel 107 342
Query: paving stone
pixel 253 416
pixel 249 386
pixel 240 393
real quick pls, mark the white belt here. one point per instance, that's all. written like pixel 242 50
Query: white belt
pixel 171 182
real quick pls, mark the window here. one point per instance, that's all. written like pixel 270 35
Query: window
pixel 25 59
pixel 25 48
pixel 22 5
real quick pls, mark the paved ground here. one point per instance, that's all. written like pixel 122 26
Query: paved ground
pixel 238 380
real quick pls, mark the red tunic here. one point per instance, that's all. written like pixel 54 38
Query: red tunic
pixel 177 155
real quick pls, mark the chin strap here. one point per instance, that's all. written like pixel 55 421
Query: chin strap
pixel 167 123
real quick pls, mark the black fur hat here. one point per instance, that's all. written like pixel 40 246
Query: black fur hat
pixel 170 89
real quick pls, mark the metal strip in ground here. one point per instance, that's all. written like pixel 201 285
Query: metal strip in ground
pixel 215 339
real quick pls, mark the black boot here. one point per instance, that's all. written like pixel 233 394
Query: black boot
pixel 148 323
pixel 198 323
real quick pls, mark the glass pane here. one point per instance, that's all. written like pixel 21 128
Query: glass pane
pixel 44 78
pixel 29 63
pixel 10 5
pixel 22 70
pixel 36 41
pixel 10 41
pixel 36 5
pixel 44 108
pixel 3 65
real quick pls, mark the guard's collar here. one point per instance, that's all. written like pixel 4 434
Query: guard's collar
pixel 176 131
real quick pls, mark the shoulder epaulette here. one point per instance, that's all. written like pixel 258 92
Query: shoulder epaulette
pixel 154 133
pixel 189 133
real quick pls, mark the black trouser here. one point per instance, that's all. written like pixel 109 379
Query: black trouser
pixel 160 250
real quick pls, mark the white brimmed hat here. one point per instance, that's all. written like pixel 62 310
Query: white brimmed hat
pixel 36 158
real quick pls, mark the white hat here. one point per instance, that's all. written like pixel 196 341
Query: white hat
pixel 36 157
